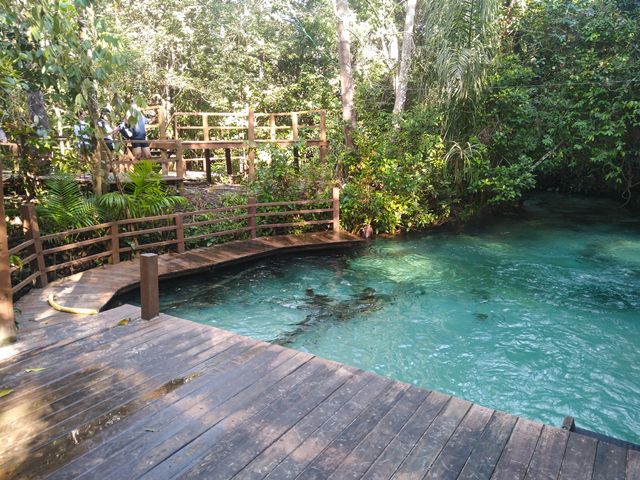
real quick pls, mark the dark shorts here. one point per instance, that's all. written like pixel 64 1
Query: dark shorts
pixel 140 144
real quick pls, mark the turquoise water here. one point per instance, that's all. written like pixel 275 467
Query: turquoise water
pixel 536 314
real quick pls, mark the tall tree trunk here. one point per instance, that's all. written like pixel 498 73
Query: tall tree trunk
pixel 86 25
pixel 405 60
pixel 7 324
pixel 346 75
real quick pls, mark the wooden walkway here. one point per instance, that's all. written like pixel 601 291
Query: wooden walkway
pixel 116 397
pixel 96 287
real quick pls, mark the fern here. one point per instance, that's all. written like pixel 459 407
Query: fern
pixel 145 194
pixel 63 206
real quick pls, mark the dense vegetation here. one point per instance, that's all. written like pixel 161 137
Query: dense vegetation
pixel 462 105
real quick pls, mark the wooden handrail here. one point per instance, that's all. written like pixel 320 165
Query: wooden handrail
pixel 174 234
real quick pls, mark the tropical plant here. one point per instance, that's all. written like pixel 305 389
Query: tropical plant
pixel 63 205
pixel 144 194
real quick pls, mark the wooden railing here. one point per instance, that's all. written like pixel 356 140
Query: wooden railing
pixel 281 127
pixel 43 257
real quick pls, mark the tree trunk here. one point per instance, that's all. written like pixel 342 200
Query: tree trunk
pixel 405 61
pixel 85 26
pixel 346 76
pixel 7 324
pixel 38 112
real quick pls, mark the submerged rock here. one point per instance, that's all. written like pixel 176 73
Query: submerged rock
pixel 326 309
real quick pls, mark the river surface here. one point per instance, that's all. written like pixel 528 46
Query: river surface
pixel 536 313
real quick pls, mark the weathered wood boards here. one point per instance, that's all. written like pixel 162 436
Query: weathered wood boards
pixel 113 396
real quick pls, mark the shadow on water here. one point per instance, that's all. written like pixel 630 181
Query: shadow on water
pixel 325 309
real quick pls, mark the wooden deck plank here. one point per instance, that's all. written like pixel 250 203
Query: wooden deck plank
pixel 426 450
pixel 134 383
pixel 268 459
pixel 104 344
pixel 43 337
pixel 93 378
pixel 332 456
pixel 610 462
pixel 455 453
pixel 187 345
pixel 395 453
pixel 178 451
pixel 548 455
pixel 216 386
pixel 516 456
pixel 484 458
pixel 579 457
pixel 309 449
pixel 633 465
pixel 359 460
pixel 228 456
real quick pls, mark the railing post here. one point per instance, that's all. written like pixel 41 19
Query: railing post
pixel 251 210
pixel 162 122
pixel 180 163
pixel 272 124
pixel 207 164
pixel 31 231
pixel 8 329
pixel 149 288
pixel 294 131
pixel 115 243
pixel 335 197
pixel 227 158
pixel 180 232
pixel 323 135
pixel 251 137
pixel 205 127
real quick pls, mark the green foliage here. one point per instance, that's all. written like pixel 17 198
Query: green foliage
pixel 145 194
pixel 396 180
pixel 278 179
pixel 566 96
pixel 63 206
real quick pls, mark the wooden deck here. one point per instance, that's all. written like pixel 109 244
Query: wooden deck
pixel 113 396
pixel 96 287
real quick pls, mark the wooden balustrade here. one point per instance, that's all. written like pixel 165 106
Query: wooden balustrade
pixel 248 131
pixel 62 253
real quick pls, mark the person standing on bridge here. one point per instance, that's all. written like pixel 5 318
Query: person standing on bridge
pixel 105 127
pixel 140 148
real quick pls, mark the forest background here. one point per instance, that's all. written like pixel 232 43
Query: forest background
pixel 448 107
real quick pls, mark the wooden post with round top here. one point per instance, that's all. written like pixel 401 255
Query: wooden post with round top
pixel 149 288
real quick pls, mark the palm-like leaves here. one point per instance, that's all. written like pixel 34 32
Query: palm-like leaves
pixel 460 38
pixel 63 206
pixel 145 194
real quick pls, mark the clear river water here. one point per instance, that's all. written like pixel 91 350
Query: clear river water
pixel 535 313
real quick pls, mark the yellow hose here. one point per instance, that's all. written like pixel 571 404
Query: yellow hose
pixel 60 308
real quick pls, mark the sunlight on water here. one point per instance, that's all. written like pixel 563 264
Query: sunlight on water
pixel 536 314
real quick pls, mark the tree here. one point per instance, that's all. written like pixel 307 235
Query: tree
pixel 405 60
pixel 64 54
pixel 347 87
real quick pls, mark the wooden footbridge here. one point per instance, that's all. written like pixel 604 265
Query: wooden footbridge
pixel 113 396
pixel 185 139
